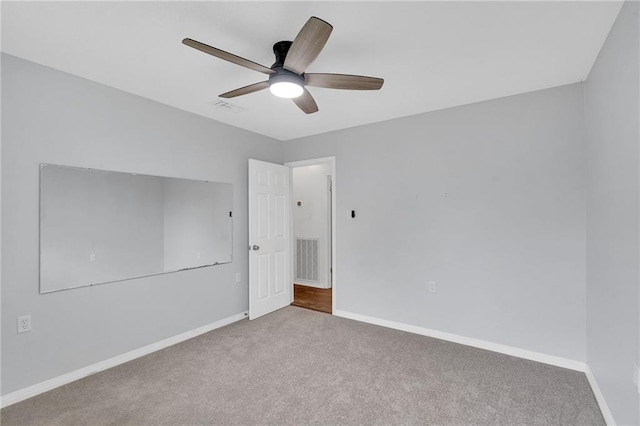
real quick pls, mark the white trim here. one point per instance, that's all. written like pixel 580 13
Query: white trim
pixel 310 162
pixel 334 275
pixel 469 341
pixel 47 385
pixel 602 403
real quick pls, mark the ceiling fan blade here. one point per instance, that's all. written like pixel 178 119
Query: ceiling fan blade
pixel 227 56
pixel 343 81
pixel 307 45
pixel 246 90
pixel 306 102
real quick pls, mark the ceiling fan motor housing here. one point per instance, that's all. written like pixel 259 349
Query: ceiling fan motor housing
pixel 282 75
pixel 280 49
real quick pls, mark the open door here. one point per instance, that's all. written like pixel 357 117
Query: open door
pixel 269 238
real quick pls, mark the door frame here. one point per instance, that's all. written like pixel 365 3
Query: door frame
pixel 312 162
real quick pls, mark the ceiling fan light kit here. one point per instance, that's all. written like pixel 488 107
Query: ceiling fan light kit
pixel 286 84
pixel 285 89
pixel 287 77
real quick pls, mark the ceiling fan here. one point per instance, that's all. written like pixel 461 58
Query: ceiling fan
pixel 287 77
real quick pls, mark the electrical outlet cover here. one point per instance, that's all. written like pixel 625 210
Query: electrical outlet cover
pixel 24 323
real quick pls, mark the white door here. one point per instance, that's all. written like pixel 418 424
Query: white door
pixel 269 241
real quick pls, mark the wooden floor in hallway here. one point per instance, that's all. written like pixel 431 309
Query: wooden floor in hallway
pixel 318 299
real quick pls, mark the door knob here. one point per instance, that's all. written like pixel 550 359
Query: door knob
pixel 256 247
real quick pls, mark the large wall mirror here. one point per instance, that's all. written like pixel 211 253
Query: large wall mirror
pixel 101 226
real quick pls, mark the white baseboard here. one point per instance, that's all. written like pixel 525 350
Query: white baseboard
pixel 602 403
pixel 47 385
pixel 469 341
pixel 311 284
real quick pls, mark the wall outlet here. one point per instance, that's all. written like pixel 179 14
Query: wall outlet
pixel 433 288
pixel 92 257
pixel 24 324
pixel 238 277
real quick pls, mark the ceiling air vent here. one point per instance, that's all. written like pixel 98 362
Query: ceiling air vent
pixel 226 106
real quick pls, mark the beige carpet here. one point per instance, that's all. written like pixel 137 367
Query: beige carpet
pixel 296 366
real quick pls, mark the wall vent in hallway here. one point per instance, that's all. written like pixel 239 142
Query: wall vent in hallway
pixel 307 259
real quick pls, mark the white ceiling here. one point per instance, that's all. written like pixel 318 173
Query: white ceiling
pixel 432 55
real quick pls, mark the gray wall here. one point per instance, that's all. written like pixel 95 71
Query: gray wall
pixel 611 113
pixel 487 200
pixel 53 117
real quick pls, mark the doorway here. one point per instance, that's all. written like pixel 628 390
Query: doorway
pixel 313 233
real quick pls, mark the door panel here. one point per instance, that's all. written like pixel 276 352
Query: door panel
pixel 280 277
pixel 263 216
pixel 279 202
pixel 263 276
pixel 269 238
